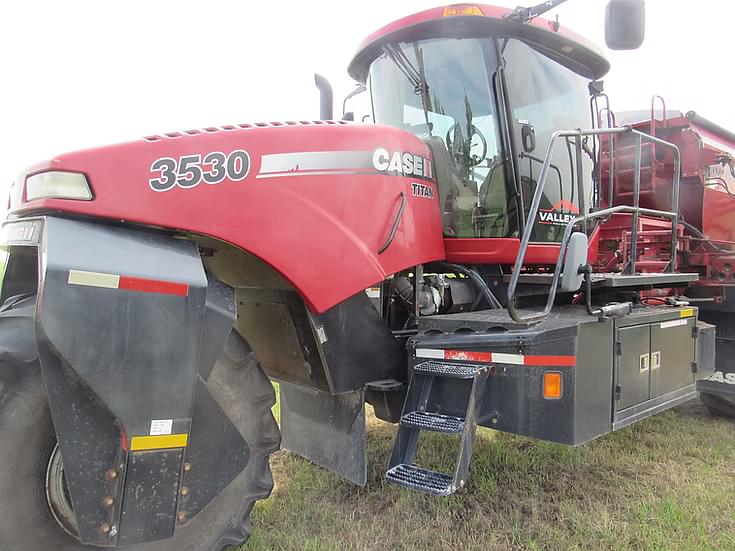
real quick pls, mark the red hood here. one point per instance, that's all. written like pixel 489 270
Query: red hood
pixel 316 197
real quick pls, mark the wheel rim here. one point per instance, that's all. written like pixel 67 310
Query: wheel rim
pixel 57 495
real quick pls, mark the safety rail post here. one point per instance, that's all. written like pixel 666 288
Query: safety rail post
pixel 674 193
pixel 675 208
pixel 635 210
pixel 611 172
pixel 636 204
pixel 581 199
pixel 610 123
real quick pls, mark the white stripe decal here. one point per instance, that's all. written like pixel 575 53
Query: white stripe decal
pixel 94 279
pixel 430 353
pixel 496 357
pixel 314 160
pixel 313 173
pixel 673 323
pixel 516 359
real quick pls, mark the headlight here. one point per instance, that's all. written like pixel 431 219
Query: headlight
pixel 58 185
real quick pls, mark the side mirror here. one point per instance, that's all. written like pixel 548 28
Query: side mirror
pixel 571 279
pixel 625 24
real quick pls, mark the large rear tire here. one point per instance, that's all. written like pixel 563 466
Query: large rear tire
pixel 27 443
pixel 719 406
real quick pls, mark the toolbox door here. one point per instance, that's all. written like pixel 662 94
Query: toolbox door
pixel 673 348
pixel 633 365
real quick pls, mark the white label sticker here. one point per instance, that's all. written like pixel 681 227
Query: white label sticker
pixel 673 323
pixel 430 353
pixel 161 426
pixel 373 292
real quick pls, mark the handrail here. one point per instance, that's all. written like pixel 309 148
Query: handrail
pixel 394 228
pixel 611 122
pixel 635 210
pixel 653 113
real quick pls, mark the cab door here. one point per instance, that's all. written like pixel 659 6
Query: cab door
pixel 545 97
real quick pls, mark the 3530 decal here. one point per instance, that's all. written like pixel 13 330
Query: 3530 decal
pixel 189 171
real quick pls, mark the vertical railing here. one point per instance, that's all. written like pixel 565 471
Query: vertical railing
pixel 636 204
pixel 610 122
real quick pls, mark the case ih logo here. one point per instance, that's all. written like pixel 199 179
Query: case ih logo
pixel 720 377
pixel 400 163
pixel 560 214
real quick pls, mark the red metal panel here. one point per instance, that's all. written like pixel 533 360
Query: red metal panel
pixel 321 229
pixel 498 251
pixel 493 12
pixel 497 16
pixel 718 221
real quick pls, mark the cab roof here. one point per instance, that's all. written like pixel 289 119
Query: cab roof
pixel 559 43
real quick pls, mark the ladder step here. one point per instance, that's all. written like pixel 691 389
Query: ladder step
pixel 456 371
pixel 416 478
pixel 433 422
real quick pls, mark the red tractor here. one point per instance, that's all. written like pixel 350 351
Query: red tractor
pixel 521 274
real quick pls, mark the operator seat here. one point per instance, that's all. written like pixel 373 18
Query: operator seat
pixel 497 204
pixel 457 198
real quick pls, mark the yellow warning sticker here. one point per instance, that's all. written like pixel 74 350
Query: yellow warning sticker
pixel 162 442
pixel 686 313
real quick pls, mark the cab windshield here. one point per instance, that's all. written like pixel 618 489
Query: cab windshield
pixel 440 89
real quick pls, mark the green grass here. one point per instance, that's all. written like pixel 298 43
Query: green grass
pixel 667 483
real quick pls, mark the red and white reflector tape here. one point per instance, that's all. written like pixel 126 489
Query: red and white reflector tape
pixel 117 281
pixel 496 357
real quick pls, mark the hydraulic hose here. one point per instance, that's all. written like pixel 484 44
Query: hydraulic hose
pixel 477 280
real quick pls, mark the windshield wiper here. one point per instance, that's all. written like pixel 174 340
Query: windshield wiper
pixel 415 76
pixel 397 56
pixel 425 98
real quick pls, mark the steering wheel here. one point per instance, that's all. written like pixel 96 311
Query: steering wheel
pixel 461 149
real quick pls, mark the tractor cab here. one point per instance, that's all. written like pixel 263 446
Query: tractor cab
pixel 486 92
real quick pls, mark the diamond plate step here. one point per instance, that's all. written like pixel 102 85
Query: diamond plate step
pixel 424 480
pixel 433 422
pixel 457 371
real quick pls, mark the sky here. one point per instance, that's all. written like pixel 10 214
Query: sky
pixel 77 74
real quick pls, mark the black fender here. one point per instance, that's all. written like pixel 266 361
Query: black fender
pixel 717 387
pixel 127 329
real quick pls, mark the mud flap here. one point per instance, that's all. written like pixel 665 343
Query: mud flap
pixel 325 429
pixel 127 328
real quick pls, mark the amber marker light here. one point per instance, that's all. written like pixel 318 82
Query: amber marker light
pixel 462 9
pixel 552 385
